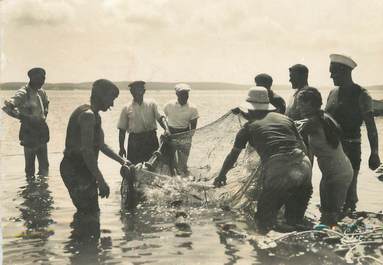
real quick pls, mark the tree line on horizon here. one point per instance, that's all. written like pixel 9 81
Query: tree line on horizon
pixel 151 86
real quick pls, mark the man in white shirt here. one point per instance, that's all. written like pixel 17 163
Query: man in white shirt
pixel 30 106
pixel 182 117
pixel 139 119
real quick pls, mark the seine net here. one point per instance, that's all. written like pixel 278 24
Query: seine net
pixel 185 167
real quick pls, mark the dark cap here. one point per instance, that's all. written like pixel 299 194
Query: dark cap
pixel 137 84
pixel 299 68
pixel 36 71
pixel 263 80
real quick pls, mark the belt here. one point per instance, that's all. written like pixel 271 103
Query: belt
pixel 351 140
pixel 178 130
pixel 143 133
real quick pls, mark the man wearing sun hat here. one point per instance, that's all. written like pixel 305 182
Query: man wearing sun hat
pixel 286 170
pixel 351 105
pixel 182 116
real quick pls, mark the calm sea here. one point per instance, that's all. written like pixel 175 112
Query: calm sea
pixel 38 222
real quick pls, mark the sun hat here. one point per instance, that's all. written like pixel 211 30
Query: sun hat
pixel 258 99
pixel 343 59
pixel 182 87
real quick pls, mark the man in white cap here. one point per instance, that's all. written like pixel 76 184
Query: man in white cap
pixel 139 119
pixel 182 116
pixel 286 170
pixel 350 105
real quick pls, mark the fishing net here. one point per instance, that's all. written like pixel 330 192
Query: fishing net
pixel 184 167
pixel 356 240
pixel 359 240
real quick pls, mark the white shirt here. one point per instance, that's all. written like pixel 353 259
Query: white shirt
pixel 178 116
pixel 137 118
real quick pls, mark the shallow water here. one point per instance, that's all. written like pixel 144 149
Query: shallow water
pixel 39 224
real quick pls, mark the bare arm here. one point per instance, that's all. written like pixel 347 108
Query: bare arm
pixel 304 135
pixel 121 140
pixel 193 124
pixel 374 160
pixel 106 150
pixel 163 123
pixel 228 164
pixel 87 122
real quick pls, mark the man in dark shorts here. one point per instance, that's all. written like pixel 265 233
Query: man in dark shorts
pixel 266 81
pixel 298 78
pixel 351 105
pixel 84 139
pixel 286 170
pixel 139 119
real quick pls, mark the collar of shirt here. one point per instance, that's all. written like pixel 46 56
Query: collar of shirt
pixel 185 105
pixel 300 89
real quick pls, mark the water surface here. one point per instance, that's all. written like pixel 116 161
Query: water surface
pixel 39 224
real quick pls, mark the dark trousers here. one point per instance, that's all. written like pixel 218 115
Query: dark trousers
pixel 286 181
pixel 30 154
pixel 353 152
pixel 141 146
pixel 80 183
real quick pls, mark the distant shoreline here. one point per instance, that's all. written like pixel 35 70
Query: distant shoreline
pixel 123 85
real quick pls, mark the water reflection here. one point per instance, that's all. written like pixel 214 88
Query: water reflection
pixel 228 239
pixel 36 213
pixel 141 223
pixel 36 208
pixel 84 242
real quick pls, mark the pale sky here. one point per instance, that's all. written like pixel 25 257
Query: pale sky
pixel 189 40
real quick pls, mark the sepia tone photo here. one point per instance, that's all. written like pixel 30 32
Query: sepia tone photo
pixel 191 132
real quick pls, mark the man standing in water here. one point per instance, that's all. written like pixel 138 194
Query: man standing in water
pixel 30 106
pixel 285 168
pixel 350 105
pixel 84 139
pixel 298 78
pixel 139 119
pixel 182 117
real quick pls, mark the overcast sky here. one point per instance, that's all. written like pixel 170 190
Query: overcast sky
pixel 189 40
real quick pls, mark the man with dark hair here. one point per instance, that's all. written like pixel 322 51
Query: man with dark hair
pixel 285 168
pixel 266 81
pixel 298 79
pixel 84 139
pixel 350 105
pixel 30 106
pixel 139 119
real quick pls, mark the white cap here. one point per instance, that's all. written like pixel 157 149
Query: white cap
pixel 343 59
pixel 182 87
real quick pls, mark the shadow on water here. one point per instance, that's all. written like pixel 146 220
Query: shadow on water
pixel 85 243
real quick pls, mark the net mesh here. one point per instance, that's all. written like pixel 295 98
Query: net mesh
pixel 187 163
